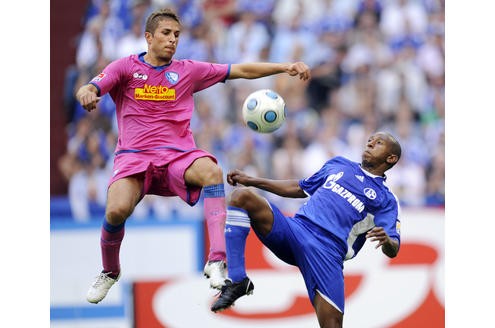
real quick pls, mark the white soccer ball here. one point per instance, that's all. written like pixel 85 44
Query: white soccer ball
pixel 263 111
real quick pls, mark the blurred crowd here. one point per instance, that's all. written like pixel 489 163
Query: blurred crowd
pixel 376 65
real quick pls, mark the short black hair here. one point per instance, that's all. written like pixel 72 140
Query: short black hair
pixel 157 16
pixel 395 147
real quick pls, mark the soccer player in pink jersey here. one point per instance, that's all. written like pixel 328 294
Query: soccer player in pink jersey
pixel 156 152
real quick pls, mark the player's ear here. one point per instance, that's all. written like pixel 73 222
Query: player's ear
pixel 392 159
pixel 148 36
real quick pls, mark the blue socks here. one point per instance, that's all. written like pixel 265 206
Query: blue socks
pixel 237 228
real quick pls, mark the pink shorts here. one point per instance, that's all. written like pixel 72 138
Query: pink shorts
pixel 162 170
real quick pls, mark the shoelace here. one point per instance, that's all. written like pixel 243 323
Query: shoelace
pixel 103 277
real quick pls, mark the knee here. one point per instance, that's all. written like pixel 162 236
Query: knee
pixel 214 175
pixel 241 197
pixel 116 215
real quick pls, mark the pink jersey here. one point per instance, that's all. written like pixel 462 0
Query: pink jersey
pixel 154 105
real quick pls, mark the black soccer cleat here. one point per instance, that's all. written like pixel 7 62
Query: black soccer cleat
pixel 230 292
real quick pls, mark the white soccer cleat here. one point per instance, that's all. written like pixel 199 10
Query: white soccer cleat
pixel 100 287
pixel 216 272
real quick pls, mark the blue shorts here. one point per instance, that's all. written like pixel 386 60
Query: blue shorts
pixel 318 255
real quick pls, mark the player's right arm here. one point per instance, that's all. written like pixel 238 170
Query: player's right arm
pixel 115 73
pixel 284 188
pixel 87 95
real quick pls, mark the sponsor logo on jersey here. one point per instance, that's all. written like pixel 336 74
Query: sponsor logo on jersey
pixel 99 77
pixel 335 177
pixel 370 193
pixel 172 77
pixel 140 76
pixel 154 92
pixel 343 192
pixel 360 177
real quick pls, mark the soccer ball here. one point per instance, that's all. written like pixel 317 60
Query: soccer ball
pixel 263 111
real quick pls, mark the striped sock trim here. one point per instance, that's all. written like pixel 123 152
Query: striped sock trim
pixel 111 228
pixel 213 191
pixel 237 217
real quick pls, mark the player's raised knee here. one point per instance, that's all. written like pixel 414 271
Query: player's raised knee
pixel 241 197
pixel 213 175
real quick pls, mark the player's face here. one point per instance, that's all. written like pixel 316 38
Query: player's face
pixel 163 43
pixel 377 149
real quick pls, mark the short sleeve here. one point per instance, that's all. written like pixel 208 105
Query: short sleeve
pixel 208 74
pixel 310 184
pixel 111 75
pixel 389 219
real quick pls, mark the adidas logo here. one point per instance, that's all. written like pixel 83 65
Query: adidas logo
pixel 360 178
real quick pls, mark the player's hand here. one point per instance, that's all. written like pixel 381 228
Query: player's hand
pixel 301 69
pixel 237 176
pixel 88 101
pixel 378 234
pixel 87 98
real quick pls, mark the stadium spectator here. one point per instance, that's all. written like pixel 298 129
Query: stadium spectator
pixel 195 43
pixel 291 39
pixel 316 241
pixel 156 152
pixel 102 33
pixel 373 7
pixel 435 179
pixel 132 42
pixel 355 99
pixel 223 12
pixel 139 10
pixel 261 9
pixel 85 167
pixel 402 17
pixel 247 39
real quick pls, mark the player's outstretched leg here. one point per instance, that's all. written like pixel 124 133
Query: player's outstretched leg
pixel 237 229
pixel 231 292
pixel 110 241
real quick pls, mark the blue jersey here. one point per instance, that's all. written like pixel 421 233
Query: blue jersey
pixel 347 201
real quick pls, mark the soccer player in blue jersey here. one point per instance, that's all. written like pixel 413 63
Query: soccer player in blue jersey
pixel 349 203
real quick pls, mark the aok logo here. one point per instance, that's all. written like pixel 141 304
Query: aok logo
pixel 154 92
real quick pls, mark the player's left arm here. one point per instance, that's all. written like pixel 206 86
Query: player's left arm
pixel 387 228
pixel 390 246
pixel 257 70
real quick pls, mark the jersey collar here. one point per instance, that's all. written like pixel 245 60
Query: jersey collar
pixel 159 68
pixel 384 177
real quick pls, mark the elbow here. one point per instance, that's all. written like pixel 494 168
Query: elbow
pixel 391 250
pixel 299 192
pixel 392 254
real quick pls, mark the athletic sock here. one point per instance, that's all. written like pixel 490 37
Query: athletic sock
pixel 111 239
pixel 237 229
pixel 215 213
